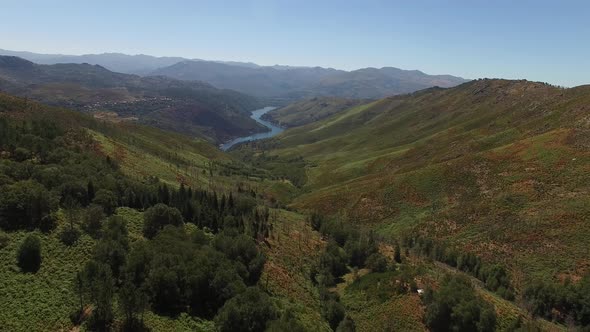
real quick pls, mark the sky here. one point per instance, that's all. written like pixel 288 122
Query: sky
pixel 538 40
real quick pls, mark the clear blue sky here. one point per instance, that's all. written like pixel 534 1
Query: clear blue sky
pixel 537 40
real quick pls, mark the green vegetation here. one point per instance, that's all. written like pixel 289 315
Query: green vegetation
pixel 94 267
pixel 159 216
pixel 567 302
pixel 493 276
pixel 455 307
pixel 492 171
pixel 474 165
pixel 246 312
pixel 309 111
pixel 473 193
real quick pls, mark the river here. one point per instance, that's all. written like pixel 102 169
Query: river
pixel 274 130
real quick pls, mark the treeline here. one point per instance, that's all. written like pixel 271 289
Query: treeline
pixel 493 276
pixel 454 306
pixel 46 166
pixel 566 302
pixel 174 271
pixel 346 247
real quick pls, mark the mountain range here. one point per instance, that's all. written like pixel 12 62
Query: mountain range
pixel 279 83
pixel 194 108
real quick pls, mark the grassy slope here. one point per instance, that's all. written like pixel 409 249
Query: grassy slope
pixel 310 110
pixel 495 167
pixel 291 249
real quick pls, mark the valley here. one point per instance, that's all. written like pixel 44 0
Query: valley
pixel 164 193
pixel 257 116
pixel 355 210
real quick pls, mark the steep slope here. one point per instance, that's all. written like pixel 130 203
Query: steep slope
pixel 140 151
pixel 309 110
pixel 496 168
pixel 189 107
pixel 301 82
pixel 60 168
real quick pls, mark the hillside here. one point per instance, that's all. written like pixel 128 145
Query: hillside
pixel 492 167
pixel 123 244
pixel 192 108
pixel 93 199
pixel 309 110
pixel 304 82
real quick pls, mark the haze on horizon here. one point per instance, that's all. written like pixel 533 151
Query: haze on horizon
pixel 534 40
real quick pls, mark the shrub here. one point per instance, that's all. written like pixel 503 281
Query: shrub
pixel 333 312
pixel 377 262
pixel 346 325
pixel 455 307
pixel 69 236
pixel 29 254
pixel 93 218
pixel 248 312
pixel 397 257
pixel 4 239
pixel 107 199
pixel 158 216
pixel 288 322
pixel 26 204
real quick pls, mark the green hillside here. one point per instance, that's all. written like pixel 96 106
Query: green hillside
pixel 309 110
pixel 81 197
pixel 495 168
pixel 476 195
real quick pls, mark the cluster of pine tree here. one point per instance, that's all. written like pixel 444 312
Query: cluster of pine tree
pixel 173 271
pixel 493 276
pixel 346 247
pixel 566 302
pixel 455 306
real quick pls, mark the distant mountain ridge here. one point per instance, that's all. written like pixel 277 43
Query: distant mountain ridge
pixel 305 82
pixel 129 64
pixel 194 108
pixel 277 82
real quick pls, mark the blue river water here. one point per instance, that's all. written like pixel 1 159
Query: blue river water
pixel 274 130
